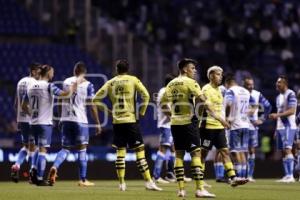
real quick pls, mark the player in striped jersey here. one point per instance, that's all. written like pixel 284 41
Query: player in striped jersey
pixel 286 128
pixel 23 121
pixel 74 121
pixel 262 103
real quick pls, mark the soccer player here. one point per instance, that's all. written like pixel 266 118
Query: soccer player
pixel 237 104
pixel 166 139
pixel 181 93
pixel 286 128
pixel 212 131
pixel 23 121
pixel 261 102
pixel 74 121
pixel 121 91
pixel 39 104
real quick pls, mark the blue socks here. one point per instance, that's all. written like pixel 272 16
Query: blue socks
pixel 60 157
pixel 160 157
pixel 289 159
pixel 21 156
pixel 251 165
pixel 34 159
pixel 219 170
pixel 41 165
pixel 82 159
pixel 238 169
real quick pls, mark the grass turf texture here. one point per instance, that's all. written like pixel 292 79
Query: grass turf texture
pixel 265 189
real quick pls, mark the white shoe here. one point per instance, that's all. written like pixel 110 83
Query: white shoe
pixel 161 181
pixel 289 179
pixel 181 193
pixel 150 185
pixel 186 179
pixel 251 179
pixel 282 180
pixel 122 187
pixel 170 180
pixel 85 183
pixel 238 181
pixel 204 194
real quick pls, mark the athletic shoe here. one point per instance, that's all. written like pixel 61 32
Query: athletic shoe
pixel 52 175
pixel 181 193
pixel 85 183
pixel 187 179
pixel 150 185
pixel 238 181
pixel 14 173
pixel 43 183
pixel 122 187
pixel 251 179
pixel 204 194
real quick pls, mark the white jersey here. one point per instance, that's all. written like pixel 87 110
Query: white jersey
pixel 22 87
pixel 40 96
pixel 284 102
pixel 162 120
pixel 239 99
pixel 74 108
pixel 255 95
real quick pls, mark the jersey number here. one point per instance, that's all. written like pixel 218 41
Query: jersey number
pixel 35 106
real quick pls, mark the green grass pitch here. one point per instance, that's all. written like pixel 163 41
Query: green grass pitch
pixel 263 189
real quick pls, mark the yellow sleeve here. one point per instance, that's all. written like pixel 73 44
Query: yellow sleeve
pixel 144 95
pixel 205 92
pixel 195 88
pixel 101 94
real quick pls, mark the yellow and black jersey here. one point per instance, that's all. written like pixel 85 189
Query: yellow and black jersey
pixel 214 99
pixel 121 91
pixel 180 93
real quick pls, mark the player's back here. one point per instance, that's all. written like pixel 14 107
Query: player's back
pixel 180 92
pixel 239 98
pixel 122 92
pixel 22 87
pixel 74 106
pixel 284 102
pixel 41 102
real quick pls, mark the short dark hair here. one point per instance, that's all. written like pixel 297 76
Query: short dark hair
pixel 45 69
pixel 79 68
pixel 34 66
pixel 285 78
pixel 185 61
pixel 122 66
pixel 168 79
pixel 247 78
pixel 229 78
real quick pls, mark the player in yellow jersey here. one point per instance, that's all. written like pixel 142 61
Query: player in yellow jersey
pixel 181 93
pixel 212 131
pixel 121 91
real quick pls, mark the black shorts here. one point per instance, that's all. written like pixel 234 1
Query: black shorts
pixel 127 135
pixel 213 137
pixel 186 137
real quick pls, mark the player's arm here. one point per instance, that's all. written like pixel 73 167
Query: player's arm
pixel 229 99
pixel 16 102
pixel 93 108
pixel 144 96
pixel 164 104
pixel 99 96
pixel 292 105
pixel 267 108
pixel 203 103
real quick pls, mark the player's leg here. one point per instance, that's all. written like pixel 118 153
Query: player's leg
pixel 244 151
pixel 288 144
pixel 219 168
pixel 44 141
pixel 68 140
pixel 297 166
pixel 82 141
pixel 253 143
pixel 165 143
pixel 15 168
pixel 170 159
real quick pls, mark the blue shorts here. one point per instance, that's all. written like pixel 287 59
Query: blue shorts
pixel 74 133
pixel 238 140
pixel 165 137
pixel 26 135
pixel 42 134
pixel 253 138
pixel 285 138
